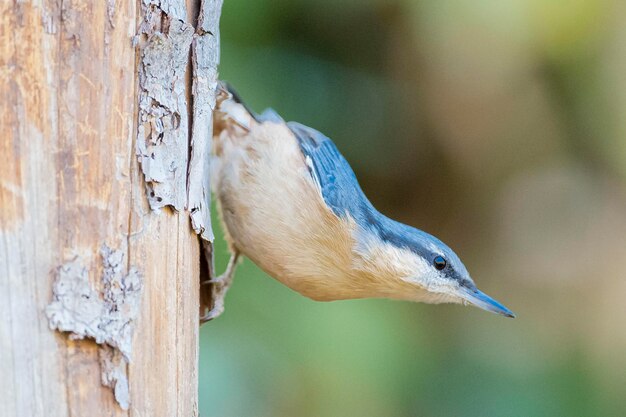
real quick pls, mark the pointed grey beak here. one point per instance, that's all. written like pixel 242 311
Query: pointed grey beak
pixel 479 299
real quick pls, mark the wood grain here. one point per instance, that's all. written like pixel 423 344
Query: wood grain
pixel 71 184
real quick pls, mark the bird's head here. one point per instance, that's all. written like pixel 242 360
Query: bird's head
pixel 426 268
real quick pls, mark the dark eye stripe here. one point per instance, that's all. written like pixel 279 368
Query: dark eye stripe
pixel 439 263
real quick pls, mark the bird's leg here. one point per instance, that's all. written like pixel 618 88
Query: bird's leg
pixel 220 286
pixel 228 273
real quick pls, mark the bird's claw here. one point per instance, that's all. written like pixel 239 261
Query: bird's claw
pixel 218 293
pixel 215 280
pixel 216 311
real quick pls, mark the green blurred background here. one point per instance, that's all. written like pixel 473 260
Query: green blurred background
pixel 500 127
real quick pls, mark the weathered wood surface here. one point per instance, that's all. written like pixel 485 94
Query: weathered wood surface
pixel 205 56
pixel 80 247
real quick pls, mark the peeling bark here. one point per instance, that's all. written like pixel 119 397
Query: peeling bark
pixel 205 59
pixel 162 144
pixel 107 317
pixel 114 374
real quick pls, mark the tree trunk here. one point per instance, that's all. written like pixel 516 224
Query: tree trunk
pixel 102 159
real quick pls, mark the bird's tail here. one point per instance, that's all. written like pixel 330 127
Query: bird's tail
pixel 222 92
pixel 230 111
pixel 230 105
pixel 225 91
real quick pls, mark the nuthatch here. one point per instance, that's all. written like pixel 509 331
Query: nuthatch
pixel 291 203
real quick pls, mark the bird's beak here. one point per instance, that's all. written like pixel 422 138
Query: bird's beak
pixel 479 299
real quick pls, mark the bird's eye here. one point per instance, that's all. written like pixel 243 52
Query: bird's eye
pixel 439 263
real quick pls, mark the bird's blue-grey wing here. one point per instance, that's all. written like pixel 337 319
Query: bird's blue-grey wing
pixel 337 182
pixel 342 192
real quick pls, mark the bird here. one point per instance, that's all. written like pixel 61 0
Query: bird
pixel 290 202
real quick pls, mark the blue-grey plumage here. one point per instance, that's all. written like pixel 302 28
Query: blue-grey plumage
pixel 291 203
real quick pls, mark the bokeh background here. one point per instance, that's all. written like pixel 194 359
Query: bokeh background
pixel 500 127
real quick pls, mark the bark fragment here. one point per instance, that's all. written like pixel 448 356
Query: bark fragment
pixel 114 374
pixel 205 59
pixel 107 317
pixel 162 146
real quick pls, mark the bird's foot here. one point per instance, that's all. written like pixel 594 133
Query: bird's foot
pixel 219 288
pixel 215 312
